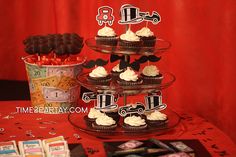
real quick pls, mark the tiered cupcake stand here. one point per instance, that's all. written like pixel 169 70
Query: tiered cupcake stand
pixel 77 120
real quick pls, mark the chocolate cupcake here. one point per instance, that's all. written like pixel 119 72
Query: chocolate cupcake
pixel 130 42
pixel 106 36
pixel 151 75
pixel 104 123
pixel 99 76
pixel 112 113
pixel 92 116
pixel 134 123
pixel 129 78
pixel 156 119
pixel 116 71
pixel 147 36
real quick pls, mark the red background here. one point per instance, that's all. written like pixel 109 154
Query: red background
pixel 202 56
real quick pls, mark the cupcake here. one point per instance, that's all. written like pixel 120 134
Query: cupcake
pixel 156 119
pixel 130 42
pixel 134 123
pixel 115 72
pixel 113 113
pixel 99 75
pixel 92 116
pixel 106 36
pixel 151 75
pixel 147 36
pixel 129 77
pixel 104 123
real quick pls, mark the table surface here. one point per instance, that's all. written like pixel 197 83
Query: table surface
pixel 16 126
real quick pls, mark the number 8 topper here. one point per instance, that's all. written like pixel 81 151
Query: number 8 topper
pixel 105 15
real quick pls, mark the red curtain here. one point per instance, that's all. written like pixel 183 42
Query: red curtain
pixel 202 55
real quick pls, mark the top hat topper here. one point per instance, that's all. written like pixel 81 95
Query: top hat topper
pixel 106 101
pixel 154 102
pixel 105 15
pixel 132 15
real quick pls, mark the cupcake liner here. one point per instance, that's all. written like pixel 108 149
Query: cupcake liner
pixel 157 123
pixel 115 74
pixel 89 121
pixel 130 45
pixel 136 114
pixel 103 127
pixel 105 40
pixel 148 41
pixel 100 80
pixel 134 128
pixel 129 83
pixel 152 79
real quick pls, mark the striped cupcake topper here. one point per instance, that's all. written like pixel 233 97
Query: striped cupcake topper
pixel 132 15
pixel 106 101
pixel 105 15
pixel 154 101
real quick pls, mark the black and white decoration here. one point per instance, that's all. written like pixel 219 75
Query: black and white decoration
pixel 106 101
pixel 154 102
pixel 138 108
pixel 132 15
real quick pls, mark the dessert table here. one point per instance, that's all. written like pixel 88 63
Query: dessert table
pixel 26 126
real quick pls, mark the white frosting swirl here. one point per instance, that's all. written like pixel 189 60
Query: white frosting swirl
pixel 106 31
pixel 150 70
pixel 94 113
pixel 117 68
pixel 98 72
pixel 144 32
pixel 134 121
pixel 129 36
pixel 129 75
pixel 156 115
pixel 105 120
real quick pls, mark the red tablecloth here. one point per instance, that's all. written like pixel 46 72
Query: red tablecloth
pixel 16 126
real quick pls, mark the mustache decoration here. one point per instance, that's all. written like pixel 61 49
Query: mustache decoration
pixel 150 58
pixel 135 65
pixel 114 58
pixel 92 63
pixel 123 63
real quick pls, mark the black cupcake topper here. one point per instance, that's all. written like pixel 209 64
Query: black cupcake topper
pixel 136 64
pixel 93 63
pixel 151 58
pixel 114 58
